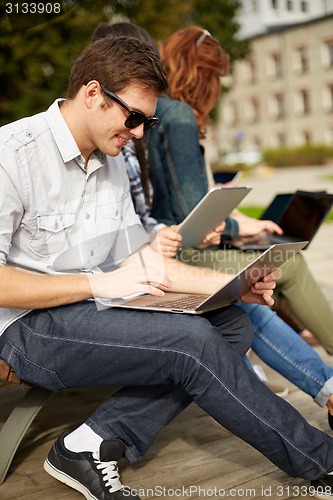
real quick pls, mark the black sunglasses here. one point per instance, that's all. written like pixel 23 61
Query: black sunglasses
pixel 135 118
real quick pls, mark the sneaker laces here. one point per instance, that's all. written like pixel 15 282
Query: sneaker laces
pixel 110 472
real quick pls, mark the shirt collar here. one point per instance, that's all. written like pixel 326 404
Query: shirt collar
pixel 63 137
pixel 61 133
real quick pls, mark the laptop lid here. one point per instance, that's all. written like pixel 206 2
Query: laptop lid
pixel 299 214
pixel 305 214
pixel 211 210
pixel 264 264
pixel 229 293
pixel 275 210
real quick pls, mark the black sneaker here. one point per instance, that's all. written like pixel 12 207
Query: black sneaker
pixel 322 488
pixel 95 475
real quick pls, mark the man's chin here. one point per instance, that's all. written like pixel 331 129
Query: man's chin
pixel 113 151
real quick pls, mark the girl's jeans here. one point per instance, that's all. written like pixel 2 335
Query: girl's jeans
pixel 284 350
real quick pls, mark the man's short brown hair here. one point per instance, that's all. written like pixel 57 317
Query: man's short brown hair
pixel 116 63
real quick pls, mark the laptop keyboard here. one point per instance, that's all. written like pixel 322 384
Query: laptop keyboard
pixel 188 302
pixel 267 241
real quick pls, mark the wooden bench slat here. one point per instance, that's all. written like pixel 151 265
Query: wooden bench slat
pixel 7 374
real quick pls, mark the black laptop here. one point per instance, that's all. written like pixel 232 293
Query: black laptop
pixel 299 214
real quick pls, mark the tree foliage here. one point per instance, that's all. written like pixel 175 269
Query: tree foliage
pixel 37 52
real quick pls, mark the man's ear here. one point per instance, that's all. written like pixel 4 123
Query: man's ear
pixel 92 92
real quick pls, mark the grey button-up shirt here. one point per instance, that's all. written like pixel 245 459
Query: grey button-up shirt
pixel 56 215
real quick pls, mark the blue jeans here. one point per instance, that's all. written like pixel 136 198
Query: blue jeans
pixel 280 347
pixel 165 361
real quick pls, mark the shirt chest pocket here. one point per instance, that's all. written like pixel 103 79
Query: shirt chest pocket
pixel 111 211
pixel 51 233
pixel 111 216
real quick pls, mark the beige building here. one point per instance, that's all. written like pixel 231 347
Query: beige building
pixel 283 93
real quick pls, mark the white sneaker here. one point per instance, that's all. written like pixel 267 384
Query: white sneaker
pixel 278 389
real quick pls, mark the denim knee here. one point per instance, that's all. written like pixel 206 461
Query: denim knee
pixel 243 335
pixel 236 327
pixel 248 331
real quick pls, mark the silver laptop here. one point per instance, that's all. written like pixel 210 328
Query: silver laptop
pixel 224 296
pixel 213 209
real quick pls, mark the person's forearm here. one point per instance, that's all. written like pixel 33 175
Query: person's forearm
pixel 194 279
pixel 184 278
pixel 23 290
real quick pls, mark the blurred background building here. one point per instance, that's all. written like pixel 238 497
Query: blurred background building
pixel 282 93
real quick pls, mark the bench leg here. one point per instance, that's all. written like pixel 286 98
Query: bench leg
pixel 17 424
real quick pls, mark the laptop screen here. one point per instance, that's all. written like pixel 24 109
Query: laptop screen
pixel 305 213
pixel 277 207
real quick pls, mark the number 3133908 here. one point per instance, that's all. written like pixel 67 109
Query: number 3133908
pixel 33 8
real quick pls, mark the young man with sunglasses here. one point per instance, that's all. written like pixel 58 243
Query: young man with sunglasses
pixel 69 237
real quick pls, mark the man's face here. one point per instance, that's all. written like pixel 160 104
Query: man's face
pixel 107 126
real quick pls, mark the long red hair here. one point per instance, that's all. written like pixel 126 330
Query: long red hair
pixel 194 62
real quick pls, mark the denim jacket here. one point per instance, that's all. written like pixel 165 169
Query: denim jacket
pixel 178 185
pixel 177 164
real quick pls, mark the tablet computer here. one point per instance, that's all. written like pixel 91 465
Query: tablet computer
pixel 211 210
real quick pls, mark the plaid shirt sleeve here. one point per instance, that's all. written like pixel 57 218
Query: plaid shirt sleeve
pixel 138 196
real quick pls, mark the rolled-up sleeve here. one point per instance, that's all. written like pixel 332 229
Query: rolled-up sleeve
pixel 11 212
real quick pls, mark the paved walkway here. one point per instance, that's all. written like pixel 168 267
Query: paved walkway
pixel 268 181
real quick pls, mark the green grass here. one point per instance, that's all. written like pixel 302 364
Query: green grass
pixel 252 211
pixel 326 177
pixel 256 211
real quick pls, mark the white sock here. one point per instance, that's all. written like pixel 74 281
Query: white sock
pixel 83 439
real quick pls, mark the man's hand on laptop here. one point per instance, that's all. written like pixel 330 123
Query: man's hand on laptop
pixel 128 280
pixel 262 291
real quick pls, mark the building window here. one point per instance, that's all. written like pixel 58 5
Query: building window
pixel 330 52
pixel 304 6
pixel 290 5
pixel 251 110
pixel 280 106
pixel 275 4
pixel 305 96
pixel 230 114
pixel 274 66
pixel 281 139
pixel 327 54
pixel 276 107
pixel 301 60
pixel 328 98
pixel 307 138
pixel 250 71
pixel 278 65
pixel 302 102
